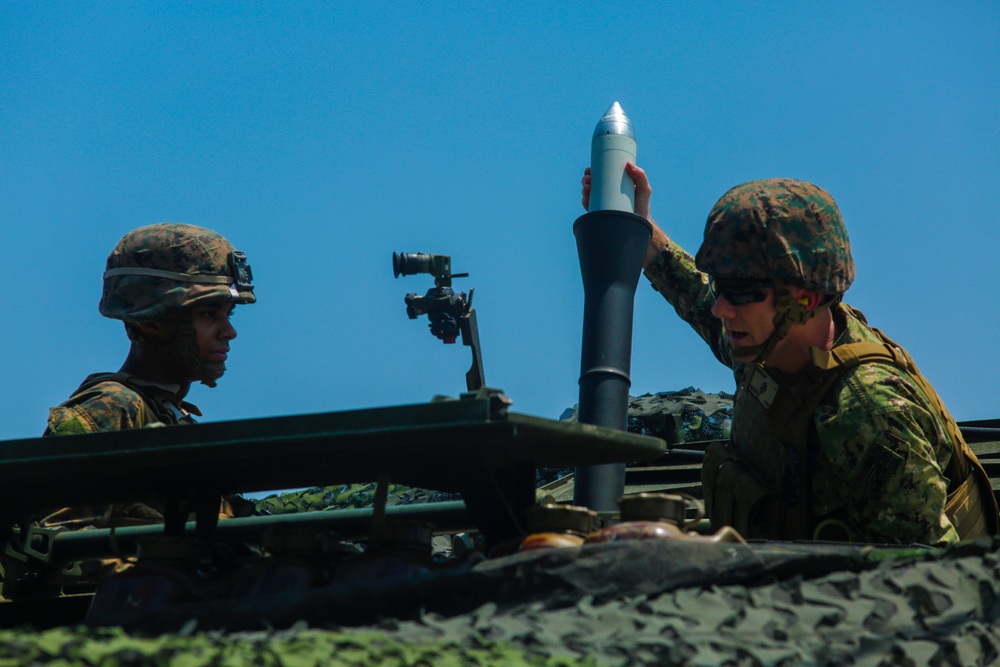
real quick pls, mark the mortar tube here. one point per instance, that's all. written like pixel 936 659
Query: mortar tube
pixel 611 245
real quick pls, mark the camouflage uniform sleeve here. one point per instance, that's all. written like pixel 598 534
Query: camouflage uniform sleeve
pixel 107 406
pixel 881 459
pixel 674 275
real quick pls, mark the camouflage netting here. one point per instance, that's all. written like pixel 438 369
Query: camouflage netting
pixel 639 603
pixel 944 612
pixel 679 417
pixel 346 496
pixel 688 415
pixel 299 647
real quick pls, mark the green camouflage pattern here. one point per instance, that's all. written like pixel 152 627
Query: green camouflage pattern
pixel 881 447
pixel 296 647
pixel 901 607
pixel 903 612
pixel 881 453
pixel 174 247
pixel 778 228
pixel 346 496
pixel 687 415
pixel 102 404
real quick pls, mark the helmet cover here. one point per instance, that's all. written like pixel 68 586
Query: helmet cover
pixel 159 270
pixel 778 228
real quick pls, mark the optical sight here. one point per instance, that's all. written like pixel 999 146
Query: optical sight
pixel 410 263
pixel 450 315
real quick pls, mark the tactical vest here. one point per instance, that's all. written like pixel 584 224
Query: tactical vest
pixel 759 481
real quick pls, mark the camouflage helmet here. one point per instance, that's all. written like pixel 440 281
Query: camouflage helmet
pixel 778 228
pixel 158 270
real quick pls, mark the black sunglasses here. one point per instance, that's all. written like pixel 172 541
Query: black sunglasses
pixel 739 291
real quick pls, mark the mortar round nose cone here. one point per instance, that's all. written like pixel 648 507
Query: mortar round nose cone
pixel 615 121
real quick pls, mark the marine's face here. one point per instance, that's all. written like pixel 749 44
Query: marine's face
pixel 748 324
pixel 212 333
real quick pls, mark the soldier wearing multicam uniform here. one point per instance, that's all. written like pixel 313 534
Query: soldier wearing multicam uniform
pixel 836 434
pixel 174 286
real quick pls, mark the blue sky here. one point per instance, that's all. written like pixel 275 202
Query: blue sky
pixel 321 137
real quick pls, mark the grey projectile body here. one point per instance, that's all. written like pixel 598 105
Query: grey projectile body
pixel 613 145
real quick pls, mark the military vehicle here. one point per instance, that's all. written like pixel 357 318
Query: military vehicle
pixel 452 582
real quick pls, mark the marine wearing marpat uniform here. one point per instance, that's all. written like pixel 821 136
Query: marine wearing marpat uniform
pixel 174 286
pixel 855 445
pixel 836 435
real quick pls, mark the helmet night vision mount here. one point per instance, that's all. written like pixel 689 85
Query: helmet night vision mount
pixel 450 314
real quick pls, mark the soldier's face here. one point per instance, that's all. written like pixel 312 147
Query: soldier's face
pixel 748 324
pixel 213 331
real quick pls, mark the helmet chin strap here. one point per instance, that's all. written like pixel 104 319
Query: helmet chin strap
pixel 789 312
pixel 182 349
pixel 205 371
